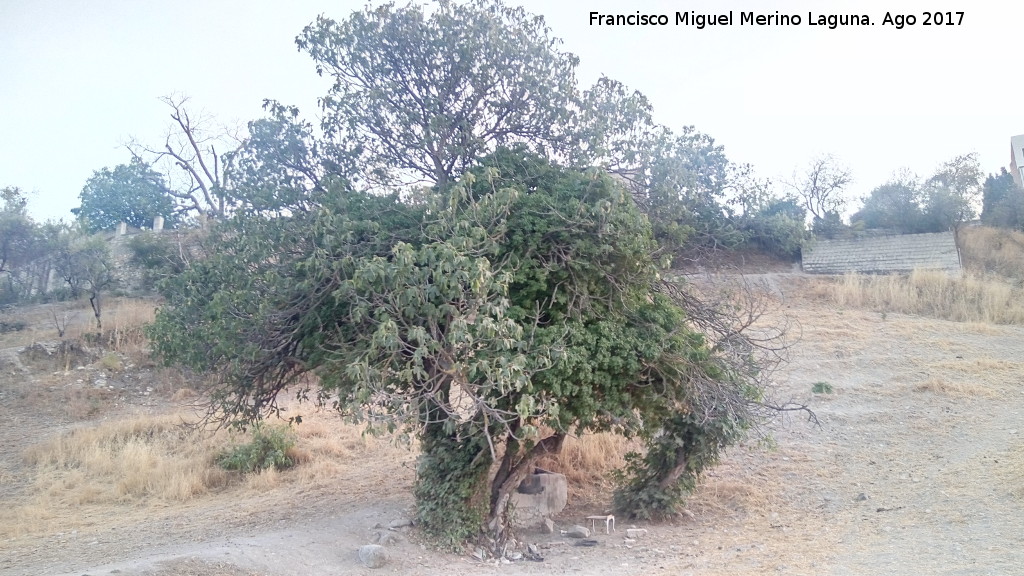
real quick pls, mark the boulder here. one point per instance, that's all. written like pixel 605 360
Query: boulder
pixel 374 555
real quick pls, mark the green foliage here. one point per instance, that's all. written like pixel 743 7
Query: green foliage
pixel 158 255
pixel 267 449
pixel 1002 202
pixel 513 295
pixel 821 388
pixel 85 264
pixel 17 231
pixel 133 193
pixel 775 225
pixel 428 92
pixel 654 484
pixel 451 488
pixel 951 193
pixel 896 205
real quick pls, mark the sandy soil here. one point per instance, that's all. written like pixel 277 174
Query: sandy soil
pixel 917 467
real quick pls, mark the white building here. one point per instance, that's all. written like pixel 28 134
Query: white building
pixel 1017 159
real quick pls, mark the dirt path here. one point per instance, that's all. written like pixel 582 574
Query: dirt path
pixel 917 468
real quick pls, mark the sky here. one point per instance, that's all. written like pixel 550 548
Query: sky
pixel 79 79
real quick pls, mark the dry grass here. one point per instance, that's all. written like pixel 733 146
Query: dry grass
pixel 1011 471
pixel 145 457
pixel 116 467
pixel 937 385
pixel 969 298
pixel 123 320
pixel 993 251
pixel 587 462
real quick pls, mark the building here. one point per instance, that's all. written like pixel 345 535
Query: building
pixel 1017 159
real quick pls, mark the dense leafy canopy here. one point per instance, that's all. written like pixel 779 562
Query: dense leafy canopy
pixel 132 193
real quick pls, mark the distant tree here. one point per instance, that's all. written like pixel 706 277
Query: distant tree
pixel 895 205
pixel 189 160
pixel 16 228
pixel 822 187
pixel 85 264
pixel 950 195
pixel 133 193
pixel 1002 203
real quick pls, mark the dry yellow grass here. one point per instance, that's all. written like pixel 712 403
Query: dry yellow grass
pixel 588 461
pixel 956 388
pixel 968 298
pixel 993 250
pixel 146 461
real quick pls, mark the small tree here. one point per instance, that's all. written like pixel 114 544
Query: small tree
pixel 16 228
pixel 86 266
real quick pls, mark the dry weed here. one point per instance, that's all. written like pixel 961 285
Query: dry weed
pixel 945 387
pixel 968 298
pixel 587 462
pixel 993 251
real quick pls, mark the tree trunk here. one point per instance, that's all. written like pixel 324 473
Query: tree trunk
pixel 94 300
pixel 510 476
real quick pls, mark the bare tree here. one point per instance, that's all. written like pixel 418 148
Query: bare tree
pixel 822 185
pixel 190 160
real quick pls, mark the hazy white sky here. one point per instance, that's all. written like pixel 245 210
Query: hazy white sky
pixel 78 78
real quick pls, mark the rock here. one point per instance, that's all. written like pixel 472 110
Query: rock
pixel 688 514
pixel 400 523
pixel 578 531
pixel 542 495
pixel 635 533
pixel 628 541
pixel 861 497
pixel 549 526
pixel 587 542
pixel 374 556
pixel 384 538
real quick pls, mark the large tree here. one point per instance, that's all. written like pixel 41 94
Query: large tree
pixel 132 193
pixel 510 301
pixel 520 307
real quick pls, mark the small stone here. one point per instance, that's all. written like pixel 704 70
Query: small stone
pixel 688 514
pixel 549 526
pixel 384 538
pixel 629 541
pixel 374 555
pixel 861 497
pixel 636 532
pixel 578 531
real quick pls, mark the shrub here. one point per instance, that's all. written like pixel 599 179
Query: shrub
pixel 267 449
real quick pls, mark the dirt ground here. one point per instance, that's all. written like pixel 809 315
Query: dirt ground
pixel 917 467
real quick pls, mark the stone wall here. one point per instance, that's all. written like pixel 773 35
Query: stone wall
pixel 883 254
